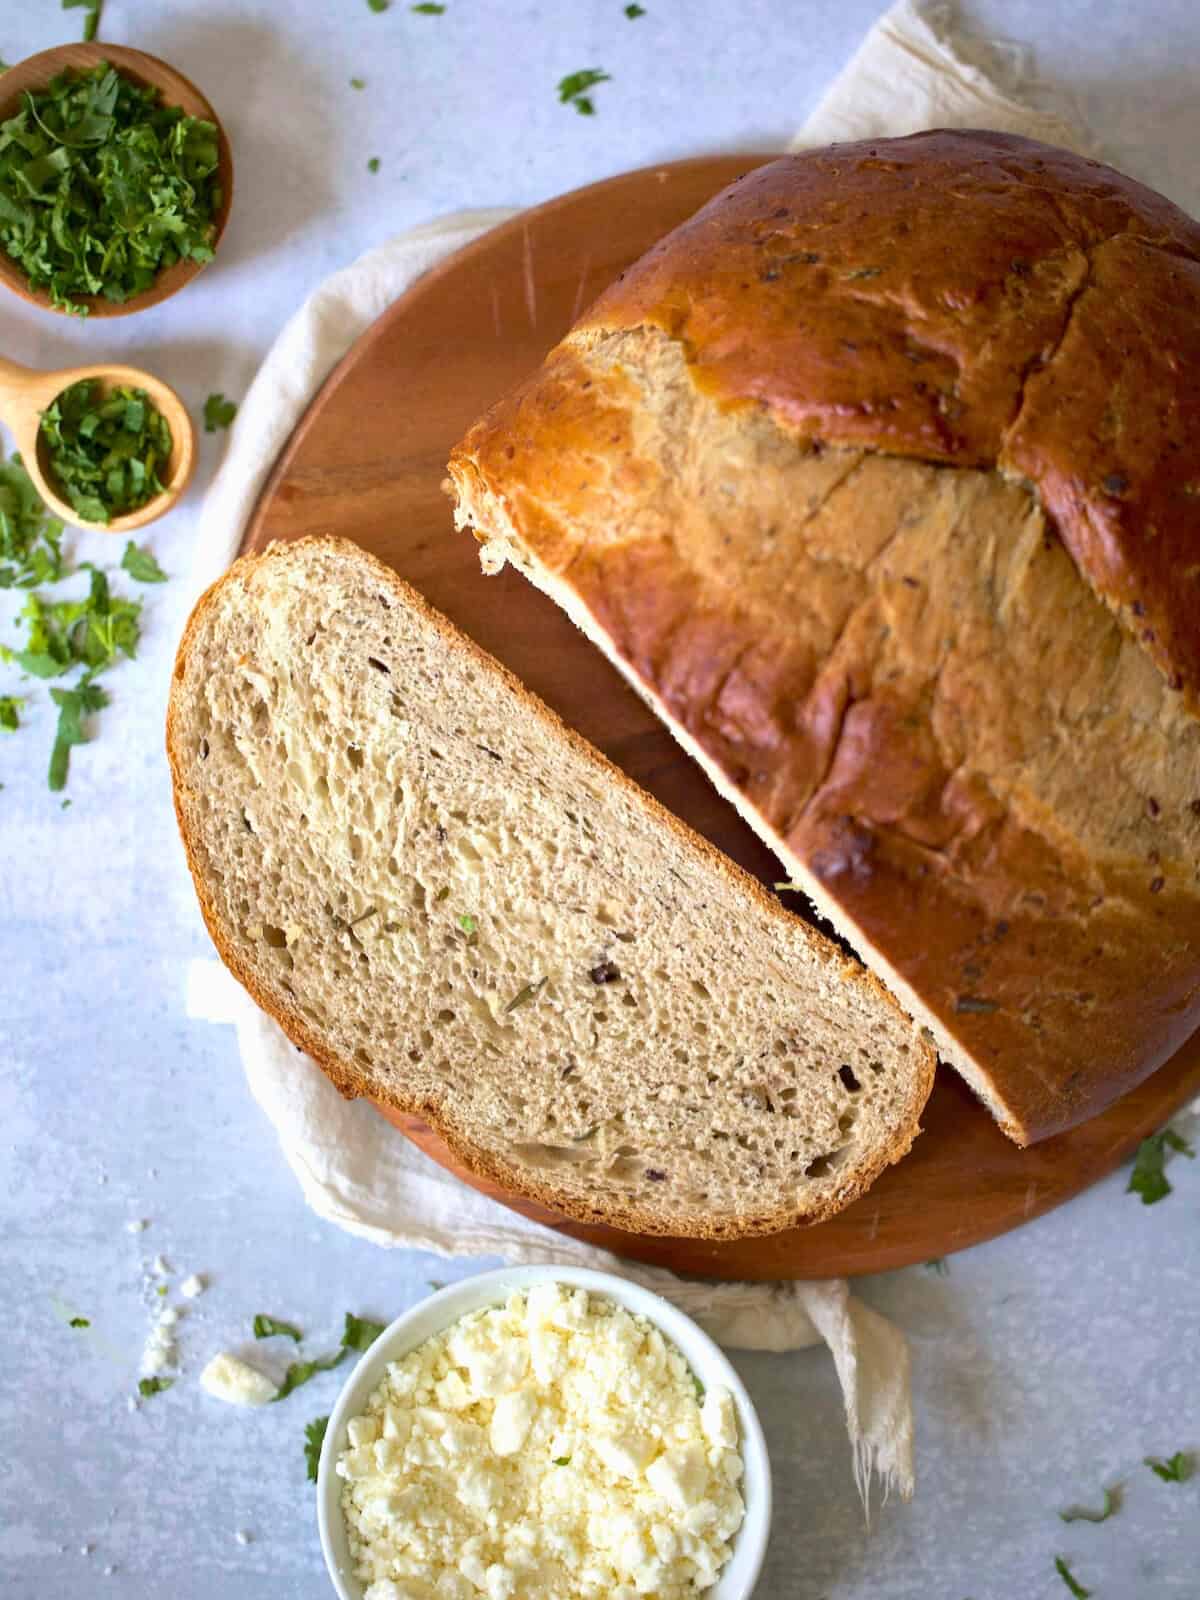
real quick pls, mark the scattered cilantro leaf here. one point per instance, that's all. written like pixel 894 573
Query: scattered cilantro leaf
pixel 572 89
pixel 73 706
pixel 10 720
pixel 634 11
pixel 141 565
pixel 467 923
pixel 48 651
pixel 1148 1178
pixel 314 1438
pixel 525 995
pixel 102 187
pixel 300 1372
pixel 105 449
pixel 79 1322
pixel 1112 1504
pixel 113 628
pixel 161 1291
pixel 373 164
pixel 149 1386
pixel 91 21
pixel 1064 1572
pixel 379 5
pixel 699 1387
pixel 434 1284
pixel 30 539
pixel 940 1265
pixel 268 1327
pixel 1175 1469
pixel 218 412
pixel 562 1461
pixel 61 635
pixel 358 83
pixel 66 633
pixel 360 1333
pixel 428 8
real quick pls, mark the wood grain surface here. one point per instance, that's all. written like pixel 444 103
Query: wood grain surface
pixel 367 461
pixel 34 73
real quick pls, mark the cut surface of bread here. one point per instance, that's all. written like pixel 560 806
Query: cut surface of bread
pixel 461 910
pixel 911 574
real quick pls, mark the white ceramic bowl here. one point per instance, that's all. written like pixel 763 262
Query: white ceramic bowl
pixel 706 1360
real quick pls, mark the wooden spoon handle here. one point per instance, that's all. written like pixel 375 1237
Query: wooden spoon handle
pixel 14 381
pixel 22 396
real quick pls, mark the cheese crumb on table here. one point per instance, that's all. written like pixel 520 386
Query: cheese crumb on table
pixel 228 1378
pixel 193 1285
pixel 553 1446
pixel 159 1351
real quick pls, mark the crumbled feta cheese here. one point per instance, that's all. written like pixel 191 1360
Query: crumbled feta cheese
pixel 678 1476
pixel 161 1266
pixel 624 1452
pixel 512 1418
pixel 228 1378
pixel 363 1430
pixel 136 1225
pixel 159 1351
pixel 554 1445
pixel 243 1536
pixel 193 1285
pixel 718 1418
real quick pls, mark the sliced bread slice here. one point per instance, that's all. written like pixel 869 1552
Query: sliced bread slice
pixel 459 909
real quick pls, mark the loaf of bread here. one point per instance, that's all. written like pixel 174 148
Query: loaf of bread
pixel 461 910
pixel 879 479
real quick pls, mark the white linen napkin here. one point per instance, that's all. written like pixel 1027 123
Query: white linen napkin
pixel 912 71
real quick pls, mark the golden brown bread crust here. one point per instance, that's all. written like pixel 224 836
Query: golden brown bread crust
pixel 972 298
pixel 1067 980
pixel 1057 334
pixel 352 1082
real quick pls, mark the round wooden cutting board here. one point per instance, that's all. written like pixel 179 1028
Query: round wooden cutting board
pixel 367 461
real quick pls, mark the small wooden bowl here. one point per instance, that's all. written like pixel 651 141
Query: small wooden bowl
pixel 34 73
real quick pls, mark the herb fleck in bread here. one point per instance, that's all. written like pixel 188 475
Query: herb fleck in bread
pixel 461 910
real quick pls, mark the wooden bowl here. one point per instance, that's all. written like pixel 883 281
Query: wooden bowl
pixel 34 73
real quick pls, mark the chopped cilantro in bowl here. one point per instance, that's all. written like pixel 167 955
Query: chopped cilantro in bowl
pixel 102 187
pixel 104 450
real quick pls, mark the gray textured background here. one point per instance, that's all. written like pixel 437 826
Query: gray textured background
pixel 1046 1365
